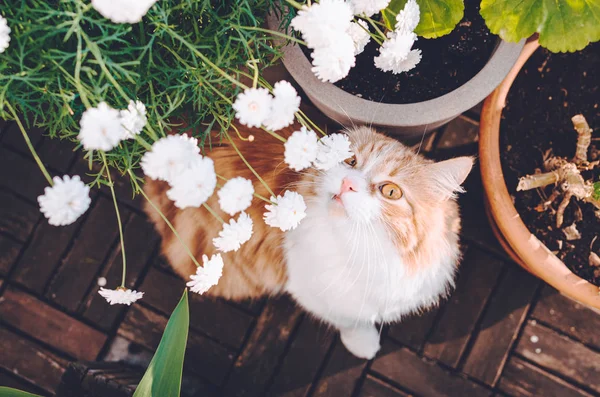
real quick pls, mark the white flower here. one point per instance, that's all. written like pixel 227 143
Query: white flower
pixel 65 201
pixel 133 119
pixel 395 54
pixel 408 18
pixel 333 63
pixel 123 11
pixel 170 156
pixel 253 106
pixel 301 149
pixel 101 128
pixel 359 32
pixel 333 149
pixel 322 23
pixel 287 212
pixel 194 185
pixel 285 104
pixel 207 275
pixel 236 195
pixel 234 234
pixel 368 7
pixel 4 34
pixel 120 296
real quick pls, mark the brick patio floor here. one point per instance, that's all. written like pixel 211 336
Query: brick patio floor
pixel 501 333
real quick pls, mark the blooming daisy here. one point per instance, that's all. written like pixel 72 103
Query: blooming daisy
pixel 323 23
pixel 120 296
pixel 207 275
pixel 101 128
pixel 234 234
pixel 253 106
pixel 408 18
pixel 333 63
pixel 133 119
pixel 236 195
pixel 285 104
pixel 65 201
pixel 170 156
pixel 333 149
pixel 359 32
pixel 194 185
pixel 368 7
pixel 123 11
pixel 4 34
pixel 301 149
pixel 287 212
pixel 395 54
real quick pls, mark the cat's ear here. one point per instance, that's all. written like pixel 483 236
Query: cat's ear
pixel 446 177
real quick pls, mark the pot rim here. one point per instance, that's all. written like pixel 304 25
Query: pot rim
pixel 415 114
pixel 536 256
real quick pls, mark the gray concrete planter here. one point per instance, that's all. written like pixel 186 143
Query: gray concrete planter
pixel 407 121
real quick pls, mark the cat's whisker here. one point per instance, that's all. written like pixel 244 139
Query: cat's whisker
pixel 422 139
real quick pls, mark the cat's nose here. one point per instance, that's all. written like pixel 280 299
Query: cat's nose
pixel 347 186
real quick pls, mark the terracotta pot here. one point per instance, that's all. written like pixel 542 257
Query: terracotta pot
pixel 512 233
pixel 406 121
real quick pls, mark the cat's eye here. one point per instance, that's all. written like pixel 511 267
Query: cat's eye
pixel 351 161
pixel 390 191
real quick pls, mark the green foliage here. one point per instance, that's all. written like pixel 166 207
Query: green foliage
pixel 438 17
pixel 596 194
pixel 64 52
pixel 163 376
pixel 562 25
pixel 8 392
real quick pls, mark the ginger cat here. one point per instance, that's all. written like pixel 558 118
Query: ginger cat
pixel 380 239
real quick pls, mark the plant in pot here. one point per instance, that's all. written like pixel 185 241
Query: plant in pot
pixel 393 80
pixel 539 154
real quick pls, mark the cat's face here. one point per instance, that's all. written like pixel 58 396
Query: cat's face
pixel 386 182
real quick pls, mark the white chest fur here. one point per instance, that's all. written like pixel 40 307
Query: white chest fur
pixel 346 273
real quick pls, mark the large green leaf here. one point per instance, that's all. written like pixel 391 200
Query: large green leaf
pixel 8 392
pixel 438 17
pixel 563 25
pixel 163 376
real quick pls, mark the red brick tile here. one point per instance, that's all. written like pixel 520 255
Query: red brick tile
pixel 9 250
pixel 559 354
pixel 422 376
pixel 521 378
pixel 55 328
pixel 30 361
pixel 500 325
pixel 477 276
pixel 568 316
pixel 341 374
pixel 17 218
pixel 77 273
pixel 373 387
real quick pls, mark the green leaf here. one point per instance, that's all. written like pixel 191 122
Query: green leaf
pixel 163 376
pixel 596 194
pixel 438 17
pixel 563 25
pixel 8 392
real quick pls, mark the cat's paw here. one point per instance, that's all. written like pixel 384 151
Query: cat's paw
pixel 362 341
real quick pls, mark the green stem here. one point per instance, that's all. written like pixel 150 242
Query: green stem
pixel 273 32
pixel 311 124
pixel 383 36
pixel 30 145
pixel 248 165
pixel 142 142
pixel 213 212
pixel 80 89
pixel 206 60
pixel 373 36
pixel 98 55
pixel 114 197
pixel 164 218
pixel 295 4
pixel 274 135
